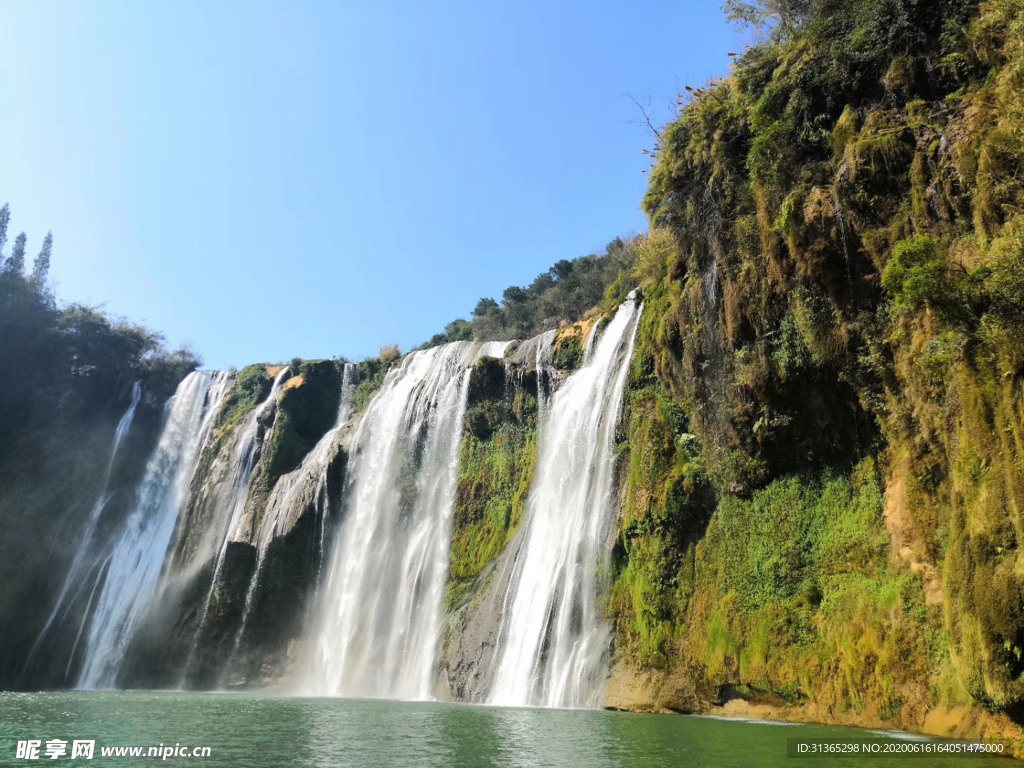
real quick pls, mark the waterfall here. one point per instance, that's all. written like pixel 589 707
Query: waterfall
pixel 544 366
pixel 375 618
pixel 124 424
pixel 379 621
pixel 284 504
pixel 82 573
pixel 232 494
pixel 710 283
pixel 843 237
pixel 554 642
pixel 133 565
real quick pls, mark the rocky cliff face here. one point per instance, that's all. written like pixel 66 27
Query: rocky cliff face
pixel 821 504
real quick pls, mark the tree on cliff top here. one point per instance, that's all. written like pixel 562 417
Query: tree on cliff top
pixel 66 362
pixel 789 13
pixel 563 293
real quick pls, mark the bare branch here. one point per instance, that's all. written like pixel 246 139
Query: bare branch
pixel 646 112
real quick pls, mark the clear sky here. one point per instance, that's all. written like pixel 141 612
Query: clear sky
pixel 265 180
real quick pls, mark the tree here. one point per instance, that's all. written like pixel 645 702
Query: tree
pixel 41 266
pixel 16 263
pixel 459 330
pixel 789 13
pixel 5 219
pixel 563 293
pixel 562 269
pixel 484 307
pixel 513 295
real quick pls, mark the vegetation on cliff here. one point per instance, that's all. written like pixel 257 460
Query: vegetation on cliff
pixel 825 423
pixel 306 409
pixel 562 294
pixel 68 362
pixel 498 453
pixel 496 465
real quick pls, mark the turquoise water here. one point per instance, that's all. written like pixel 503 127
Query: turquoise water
pixel 258 732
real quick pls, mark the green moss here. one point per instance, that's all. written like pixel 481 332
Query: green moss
pixel 496 464
pixel 494 478
pixel 845 129
pixel 789 217
pixel 792 593
pixel 251 387
pixel 568 352
pixel 305 411
pixel 788 544
pixel 664 514
pixel 368 376
pixel 981 575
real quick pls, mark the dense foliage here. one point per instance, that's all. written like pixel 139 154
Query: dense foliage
pixel 562 294
pixel 65 362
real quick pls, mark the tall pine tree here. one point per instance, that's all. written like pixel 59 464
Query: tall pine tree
pixel 16 263
pixel 5 218
pixel 41 266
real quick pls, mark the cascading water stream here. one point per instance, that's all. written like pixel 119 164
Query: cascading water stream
pixel 544 367
pixel 843 237
pixel 134 564
pixel 247 444
pixel 379 621
pixel 312 472
pixel 82 572
pixel 553 644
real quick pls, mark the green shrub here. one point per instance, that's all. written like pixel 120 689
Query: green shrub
pixel 568 353
pixel 916 276
pixel 389 353
pixel 251 387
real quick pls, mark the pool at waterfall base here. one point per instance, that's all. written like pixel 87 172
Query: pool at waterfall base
pixel 268 732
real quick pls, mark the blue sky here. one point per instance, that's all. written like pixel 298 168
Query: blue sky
pixel 266 180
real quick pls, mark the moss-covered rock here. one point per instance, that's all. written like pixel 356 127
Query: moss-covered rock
pixel 306 409
pixel 368 376
pixel 250 387
pixel 569 344
pixel 829 301
pixel 496 464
